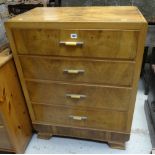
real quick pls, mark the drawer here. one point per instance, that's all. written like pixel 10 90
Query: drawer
pixel 81 117
pixel 5 143
pixel 78 70
pixel 80 43
pixel 76 95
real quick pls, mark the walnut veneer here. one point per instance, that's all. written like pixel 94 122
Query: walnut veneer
pixel 79 69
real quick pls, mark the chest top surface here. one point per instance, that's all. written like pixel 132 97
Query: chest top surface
pixel 128 14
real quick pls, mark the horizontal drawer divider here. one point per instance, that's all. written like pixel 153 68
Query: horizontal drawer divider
pixel 79 107
pixel 77 83
pixel 79 58
pixel 135 26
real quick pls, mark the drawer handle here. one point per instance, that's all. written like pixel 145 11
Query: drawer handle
pixel 79 118
pixel 73 71
pixel 70 43
pixel 75 96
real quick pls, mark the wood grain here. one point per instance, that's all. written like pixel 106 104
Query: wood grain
pixel 1 120
pixel 97 96
pixel 95 71
pixel 96 43
pixel 19 70
pixel 13 109
pixel 110 55
pixel 139 58
pixel 5 142
pixel 82 14
pixel 85 133
pixel 98 119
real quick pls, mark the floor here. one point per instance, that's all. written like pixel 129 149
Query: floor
pixel 138 143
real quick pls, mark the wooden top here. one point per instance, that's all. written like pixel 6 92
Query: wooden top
pixel 5 57
pixel 110 14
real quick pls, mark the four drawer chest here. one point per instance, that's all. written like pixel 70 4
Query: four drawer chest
pixel 79 68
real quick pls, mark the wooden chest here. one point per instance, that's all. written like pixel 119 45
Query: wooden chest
pixel 79 69
pixel 15 124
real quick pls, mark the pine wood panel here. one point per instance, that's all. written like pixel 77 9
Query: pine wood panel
pixel 13 108
pixel 1 120
pixel 96 43
pixel 99 119
pixel 95 71
pixel 96 96
pixel 5 143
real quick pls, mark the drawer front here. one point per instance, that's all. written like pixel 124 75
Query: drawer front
pixel 4 139
pixel 77 70
pixel 81 117
pixel 87 96
pixel 90 43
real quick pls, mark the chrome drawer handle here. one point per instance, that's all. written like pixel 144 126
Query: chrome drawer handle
pixel 73 71
pixel 71 43
pixel 79 118
pixel 76 96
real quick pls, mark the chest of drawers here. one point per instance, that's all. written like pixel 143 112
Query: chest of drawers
pixel 15 124
pixel 79 69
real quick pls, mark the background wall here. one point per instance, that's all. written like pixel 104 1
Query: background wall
pixel 3 17
pixel 146 6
